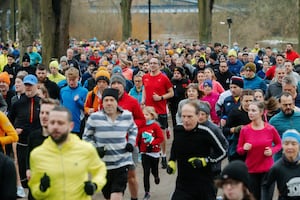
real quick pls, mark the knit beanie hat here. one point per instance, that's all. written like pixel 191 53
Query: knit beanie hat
pixel 232 52
pixel 236 80
pixel 291 134
pixel 250 66
pixel 180 70
pixel 26 58
pixel 204 107
pixel 111 92
pixel 63 59
pixel 103 75
pixel 207 83
pixel 4 77
pixel 236 170
pixel 118 78
pixel 54 63
pixel 116 69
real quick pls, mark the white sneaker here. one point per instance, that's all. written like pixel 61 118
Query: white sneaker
pixel 21 192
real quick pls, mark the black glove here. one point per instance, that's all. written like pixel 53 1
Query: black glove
pixel 149 148
pixel 90 187
pixel 101 151
pixel 129 147
pixel 45 182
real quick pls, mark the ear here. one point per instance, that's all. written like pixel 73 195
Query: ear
pixel 71 125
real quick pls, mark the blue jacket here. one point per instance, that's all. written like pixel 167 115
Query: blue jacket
pixel 235 68
pixel 255 83
pixel 67 95
pixel 135 94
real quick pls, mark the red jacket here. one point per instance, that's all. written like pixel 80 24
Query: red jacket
pixel 156 132
pixel 131 104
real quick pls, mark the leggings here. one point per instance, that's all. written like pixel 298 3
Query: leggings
pixel 150 164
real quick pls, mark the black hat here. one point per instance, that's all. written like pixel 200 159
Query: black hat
pixel 180 70
pixel 201 59
pixel 91 62
pixel 236 80
pixel 236 170
pixel 213 56
pixel 26 58
pixel 111 92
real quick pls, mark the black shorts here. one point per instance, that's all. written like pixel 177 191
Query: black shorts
pixel 163 121
pixel 116 181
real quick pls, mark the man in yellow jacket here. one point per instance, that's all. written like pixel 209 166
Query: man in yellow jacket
pixel 61 166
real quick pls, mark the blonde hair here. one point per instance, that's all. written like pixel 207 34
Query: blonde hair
pixel 72 72
pixel 150 110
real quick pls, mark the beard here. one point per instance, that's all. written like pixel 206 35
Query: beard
pixel 288 114
pixel 60 139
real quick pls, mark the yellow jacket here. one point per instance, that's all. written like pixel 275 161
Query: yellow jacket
pixel 68 167
pixel 8 134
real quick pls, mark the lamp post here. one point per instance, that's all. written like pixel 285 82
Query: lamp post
pixel 149 22
pixel 229 22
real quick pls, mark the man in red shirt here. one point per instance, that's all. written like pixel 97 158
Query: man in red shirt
pixel 290 54
pixel 157 89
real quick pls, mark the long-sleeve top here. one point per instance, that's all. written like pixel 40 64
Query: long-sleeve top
pixel 8 134
pixel 255 83
pixel 286 174
pixel 157 134
pixel 256 161
pixel 67 95
pixel 25 115
pixel 195 143
pixel 8 189
pixel 284 122
pixel 68 167
pixel 129 103
pixel 101 131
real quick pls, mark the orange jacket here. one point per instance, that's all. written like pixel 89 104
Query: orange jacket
pixel 8 134
pixel 90 103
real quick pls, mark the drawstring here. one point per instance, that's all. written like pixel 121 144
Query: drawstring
pixel 31 110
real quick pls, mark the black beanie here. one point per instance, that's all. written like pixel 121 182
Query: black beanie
pixel 236 170
pixel 111 92
pixel 26 58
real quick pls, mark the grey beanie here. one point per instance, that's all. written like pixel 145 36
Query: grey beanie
pixel 118 78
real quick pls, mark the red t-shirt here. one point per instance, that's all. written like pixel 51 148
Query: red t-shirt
pixel 159 84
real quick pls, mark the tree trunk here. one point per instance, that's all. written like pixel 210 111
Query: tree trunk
pixel 36 16
pixel 24 29
pixel 126 18
pixel 298 26
pixel 205 20
pixel 55 18
pixel 13 20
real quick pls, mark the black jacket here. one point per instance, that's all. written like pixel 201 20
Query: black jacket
pixel 8 183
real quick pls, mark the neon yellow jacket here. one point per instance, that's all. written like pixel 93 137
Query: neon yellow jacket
pixel 68 167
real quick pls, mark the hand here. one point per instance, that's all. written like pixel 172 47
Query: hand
pixel 237 129
pixel 76 97
pixel 223 122
pixel 148 138
pixel 28 174
pixel 91 110
pixel 19 130
pixel 247 146
pixel 198 162
pixel 90 187
pixel 45 182
pixel 268 151
pixel 149 148
pixel 171 168
pixel 101 151
pixel 156 97
pixel 129 147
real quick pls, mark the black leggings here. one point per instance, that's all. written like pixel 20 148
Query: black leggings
pixel 149 163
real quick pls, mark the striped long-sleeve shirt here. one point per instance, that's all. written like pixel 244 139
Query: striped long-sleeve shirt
pixel 101 131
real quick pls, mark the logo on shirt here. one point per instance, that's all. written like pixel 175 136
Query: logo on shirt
pixel 293 187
